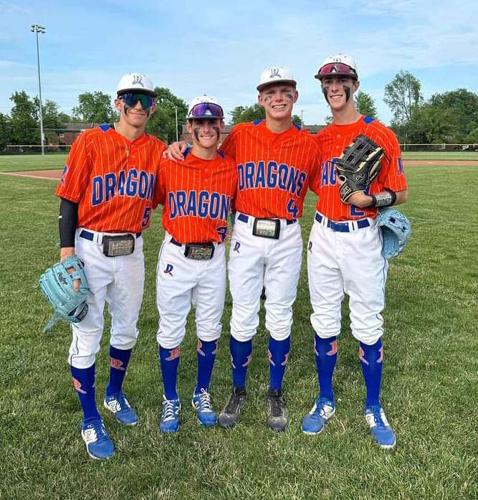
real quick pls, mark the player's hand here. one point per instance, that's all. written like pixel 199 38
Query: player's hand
pixel 175 151
pixel 68 252
pixel 358 199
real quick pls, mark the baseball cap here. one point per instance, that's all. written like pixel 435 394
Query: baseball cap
pixel 337 65
pixel 275 74
pixel 135 82
pixel 205 106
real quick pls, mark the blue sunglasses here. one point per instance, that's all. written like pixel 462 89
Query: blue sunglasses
pixel 131 99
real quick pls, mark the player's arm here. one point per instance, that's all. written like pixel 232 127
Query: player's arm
pixel 67 222
pixel 385 198
pixel 175 151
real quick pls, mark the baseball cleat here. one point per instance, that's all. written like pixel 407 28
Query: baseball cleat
pixel 276 410
pixel 121 409
pixel 230 414
pixel 314 422
pixel 98 444
pixel 202 403
pixel 381 431
pixel 170 415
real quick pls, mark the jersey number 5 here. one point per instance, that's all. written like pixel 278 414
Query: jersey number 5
pixel 146 217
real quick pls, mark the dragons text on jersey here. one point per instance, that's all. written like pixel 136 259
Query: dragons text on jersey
pixel 274 169
pixel 112 179
pixel 196 196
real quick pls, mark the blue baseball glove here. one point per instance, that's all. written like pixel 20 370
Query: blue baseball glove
pixel 396 229
pixel 57 284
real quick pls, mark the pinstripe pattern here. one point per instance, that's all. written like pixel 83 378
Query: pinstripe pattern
pixel 332 140
pixel 195 175
pixel 295 148
pixel 99 153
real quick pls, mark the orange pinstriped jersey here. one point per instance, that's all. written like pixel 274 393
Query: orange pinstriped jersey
pixel 196 195
pixel 112 179
pixel 273 169
pixel 332 140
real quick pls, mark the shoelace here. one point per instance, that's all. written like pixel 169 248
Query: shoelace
pixel 169 409
pixel 204 401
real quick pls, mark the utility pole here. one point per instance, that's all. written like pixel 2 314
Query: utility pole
pixel 36 28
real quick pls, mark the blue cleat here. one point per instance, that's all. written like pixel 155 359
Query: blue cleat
pixel 121 409
pixel 381 431
pixel 98 444
pixel 202 404
pixel 170 415
pixel 314 422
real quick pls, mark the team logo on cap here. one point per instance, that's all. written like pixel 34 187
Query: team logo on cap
pixel 138 80
pixel 275 73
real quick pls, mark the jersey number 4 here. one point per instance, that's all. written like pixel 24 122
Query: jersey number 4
pixel 292 208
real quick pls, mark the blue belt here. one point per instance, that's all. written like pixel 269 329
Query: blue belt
pixel 343 227
pixel 87 235
pixel 245 218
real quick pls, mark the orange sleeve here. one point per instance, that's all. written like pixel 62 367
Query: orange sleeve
pixel 229 144
pixel 76 173
pixel 393 176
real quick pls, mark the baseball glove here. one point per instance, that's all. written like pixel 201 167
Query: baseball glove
pixel 358 166
pixel 57 284
pixel 396 230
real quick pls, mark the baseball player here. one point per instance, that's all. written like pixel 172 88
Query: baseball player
pixel 196 195
pixel 345 249
pixel 107 192
pixel 275 160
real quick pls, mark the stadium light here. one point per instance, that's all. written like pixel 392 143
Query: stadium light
pixel 36 28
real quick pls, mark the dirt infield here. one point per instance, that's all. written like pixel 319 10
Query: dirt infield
pixel 56 174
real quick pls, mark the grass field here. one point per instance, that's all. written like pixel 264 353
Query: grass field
pixel 16 163
pixel 430 376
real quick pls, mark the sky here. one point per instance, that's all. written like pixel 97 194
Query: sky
pixel 220 48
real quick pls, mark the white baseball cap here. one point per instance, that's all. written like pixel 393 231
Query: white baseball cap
pixel 338 65
pixel 275 74
pixel 135 82
pixel 205 106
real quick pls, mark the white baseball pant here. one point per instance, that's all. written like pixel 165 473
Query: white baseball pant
pixel 348 262
pixel 255 262
pixel 117 281
pixel 182 282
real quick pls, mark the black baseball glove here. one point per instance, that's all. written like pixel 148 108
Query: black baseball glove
pixel 358 166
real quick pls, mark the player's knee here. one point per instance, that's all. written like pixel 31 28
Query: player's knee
pixel 81 361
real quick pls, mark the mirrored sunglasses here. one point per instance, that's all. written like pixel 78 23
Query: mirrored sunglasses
pixel 131 99
pixel 206 110
pixel 332 69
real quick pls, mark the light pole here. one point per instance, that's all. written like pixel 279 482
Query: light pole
pixel 176 115
pixel 36 28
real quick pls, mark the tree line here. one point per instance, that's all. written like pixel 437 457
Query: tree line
pixel 450 117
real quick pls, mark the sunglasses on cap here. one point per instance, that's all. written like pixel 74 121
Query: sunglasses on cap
pixel 206 110
pixel 335 68
pixel 132 98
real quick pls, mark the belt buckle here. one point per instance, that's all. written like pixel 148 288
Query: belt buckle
pixel 116 246
pixel 199 251
pixel 266 228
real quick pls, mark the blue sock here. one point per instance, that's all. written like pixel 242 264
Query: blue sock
pixel 206 355
pixel 278 356
pixel 119 360
pixel 371 359
pixel 169 362
pixel 241 356
pixel 325 359
pixel 84 384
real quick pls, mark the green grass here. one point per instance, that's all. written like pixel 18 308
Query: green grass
pixel 16 163
pixel 429 391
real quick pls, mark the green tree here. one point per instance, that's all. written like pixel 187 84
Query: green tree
pixel 94 107
pixel 163 122
pixel 5 133
pixel 241 114
pixel 463 105
pixel 365 104
pixel 429 124
pixel 53 119
pixel 403 96
pixel 24 125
